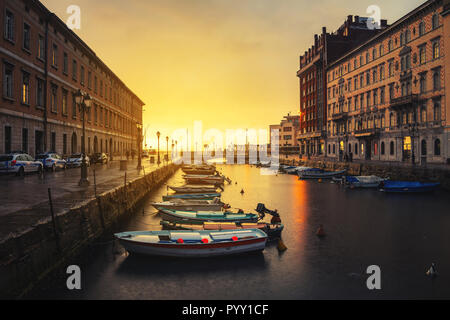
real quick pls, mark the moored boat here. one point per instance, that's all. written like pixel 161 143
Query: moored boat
pixel 205 216
pixel 363 181
pixel 271 229
pixel 319 174
pixel 190 205
pixel 194 189
pixel 407 186
pixel 194 196
pixel 185 243
pixel 204 179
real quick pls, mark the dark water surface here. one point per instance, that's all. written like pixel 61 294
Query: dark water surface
pixel 403 234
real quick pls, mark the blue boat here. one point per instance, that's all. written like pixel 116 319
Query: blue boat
pixel 407 186
pixel 196 196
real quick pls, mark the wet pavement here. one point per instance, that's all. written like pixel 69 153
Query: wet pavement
pixel 24 200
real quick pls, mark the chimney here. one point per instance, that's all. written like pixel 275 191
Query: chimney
pixel 316 39
pixel 350 19
pixel 324 30
pixel 357 19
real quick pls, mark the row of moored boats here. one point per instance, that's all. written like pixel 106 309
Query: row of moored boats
pixel 353 182
pixel 197 223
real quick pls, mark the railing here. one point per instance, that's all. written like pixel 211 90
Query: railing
pixel 405 100
pixel 339 115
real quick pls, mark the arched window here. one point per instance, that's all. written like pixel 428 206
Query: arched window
pixel 329 149
pixel 382 148
pixel 407 36
pixel 421 28
pixel 437 147
pixel 334 148
pixel 424 147
pixel 392 150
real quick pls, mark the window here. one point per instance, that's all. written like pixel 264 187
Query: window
pixel 423 114
pixel 64 102
pixel 95 84
pixel 9 25
pixel 382 95
pixel 54 97
pixel 391 69
pixel 8 81
pixel 391 120
pixel 64 144
pixel 407 36
pixel 41 48
pixel 421 28
pixel 437 147
pixel 422 54
pixel 392 148
pixel 74 107
pixel 74 70
pixel 423 83
pixel 423 148
pixel 390 47
pixel 53 141
pixel 402 39
pixel 437 79
pixel 437 110
pixel 82 75
pixel 66 63
pixel 436 49
pixel 435 21
pixel 26 36
pixel 40 93
pixel 391 92
pixel 382 148
pixel 8 137
pixel 89 79
pixel 25 88
pixel 25 140
pixel 55 55
pixel 381 50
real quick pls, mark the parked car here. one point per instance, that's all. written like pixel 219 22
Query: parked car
pixel 51 161
pixel 99 157
pixel 74 161
pixel 19 163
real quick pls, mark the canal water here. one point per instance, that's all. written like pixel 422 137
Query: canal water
pixel 402 234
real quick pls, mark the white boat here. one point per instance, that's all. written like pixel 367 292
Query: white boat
pixel 364 181
pixel 319 174
pixel 204 179
pixel 206 216
pixel 194 189
pixel 295 170
pixel 190 205
pixel 185 243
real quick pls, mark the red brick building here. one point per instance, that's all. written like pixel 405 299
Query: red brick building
pixel 388 99
pixel 313 83
pixel 42 64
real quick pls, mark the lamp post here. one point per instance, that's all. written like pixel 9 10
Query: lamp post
pixel 158 134
pixel 173 145
pixel 413 129
pixel 139 128
pixel 167 150
pixel 84 101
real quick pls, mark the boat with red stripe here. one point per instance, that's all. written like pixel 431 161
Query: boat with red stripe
pixel 185 243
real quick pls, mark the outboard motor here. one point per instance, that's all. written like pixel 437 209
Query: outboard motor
pixel 262 210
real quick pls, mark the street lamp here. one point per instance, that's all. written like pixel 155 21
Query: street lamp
pixel 158 134
pixel 139 127
pixel 84 101
pixel 167 150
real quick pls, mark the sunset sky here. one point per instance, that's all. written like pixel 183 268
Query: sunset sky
pixel 229 63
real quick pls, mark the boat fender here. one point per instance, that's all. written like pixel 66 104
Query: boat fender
pixel 320 232
pixel 180 241
pixel 281 246
pixel 205 240
pixel 234 238
pixel 242 191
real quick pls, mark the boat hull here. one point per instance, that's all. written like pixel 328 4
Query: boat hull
pixel 193 190
pixel 195 251
pixel 200 196
pixel 173 217
pixel 189 207
pixel 320 175
pixel 408 187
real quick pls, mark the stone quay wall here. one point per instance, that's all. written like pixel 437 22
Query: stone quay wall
pixel 27 258
pixel 392 171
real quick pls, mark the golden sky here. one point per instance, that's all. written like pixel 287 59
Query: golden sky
pixel 229 63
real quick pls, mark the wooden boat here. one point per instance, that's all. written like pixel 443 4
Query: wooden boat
pixel 407 187
pixel 204 179
pixel 194 189
pixel 198 196
pixel 319 174
pixel 190 205
pixel 271 229
pixel 363 181
pixel 206 216
pixel 199 171
pixel 183 243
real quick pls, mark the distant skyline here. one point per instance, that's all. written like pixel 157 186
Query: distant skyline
pixel 229 63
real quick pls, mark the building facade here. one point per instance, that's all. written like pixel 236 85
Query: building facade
pixel 43 64
pixel 388 98
pixel 288 130
pixel 313 64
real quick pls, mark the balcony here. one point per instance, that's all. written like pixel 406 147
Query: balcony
pixel 405 101
pixel 339 116
pixel 362 133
